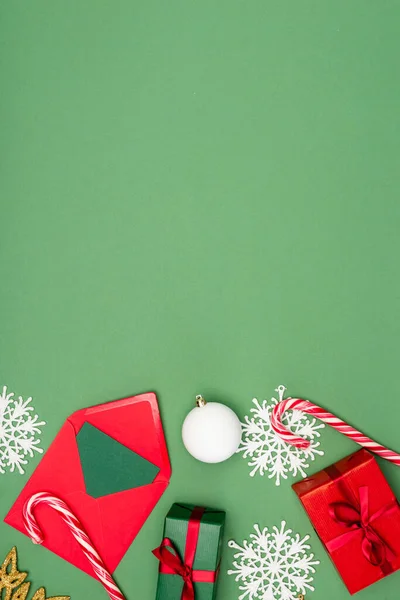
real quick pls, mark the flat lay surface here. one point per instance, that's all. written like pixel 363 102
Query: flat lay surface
pixel 199 198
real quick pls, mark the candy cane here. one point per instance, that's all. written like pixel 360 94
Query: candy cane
pixel 327 417
pixel 77 531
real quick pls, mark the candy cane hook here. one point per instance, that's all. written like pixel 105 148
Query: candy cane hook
pixel 316 411
pixel 77 531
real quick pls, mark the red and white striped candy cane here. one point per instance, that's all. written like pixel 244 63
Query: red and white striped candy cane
pixel 77 531
pixel 327 417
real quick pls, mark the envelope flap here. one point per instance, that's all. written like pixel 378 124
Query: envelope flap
pixel 135 422
pixel 108 466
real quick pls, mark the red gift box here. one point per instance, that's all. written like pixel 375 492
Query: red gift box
pixel 357 518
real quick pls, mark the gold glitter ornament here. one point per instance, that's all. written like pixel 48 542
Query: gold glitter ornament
pixel 11 579
pixel 41 595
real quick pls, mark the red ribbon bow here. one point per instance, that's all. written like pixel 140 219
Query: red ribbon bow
pixel 171 563
pixel 374 548
pixel 170 558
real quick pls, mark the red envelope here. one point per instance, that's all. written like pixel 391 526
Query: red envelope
pixel 112 521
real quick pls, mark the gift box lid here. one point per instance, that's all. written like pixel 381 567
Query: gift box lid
pixel 324 477
pixel 356 460
pixel 183 511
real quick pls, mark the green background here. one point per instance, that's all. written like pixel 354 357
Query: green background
pixel 200 197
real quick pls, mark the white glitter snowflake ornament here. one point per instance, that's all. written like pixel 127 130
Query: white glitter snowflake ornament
pixel 274 565
pixel 18 429
pixel 268 453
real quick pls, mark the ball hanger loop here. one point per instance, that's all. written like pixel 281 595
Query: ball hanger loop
pixel 200 402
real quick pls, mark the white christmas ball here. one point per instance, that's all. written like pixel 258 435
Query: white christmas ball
pixel 211 432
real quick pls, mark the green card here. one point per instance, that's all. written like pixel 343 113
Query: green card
pixel 108 466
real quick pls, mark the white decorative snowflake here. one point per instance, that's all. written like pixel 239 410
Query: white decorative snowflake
pixel 273 565
pixel 267 451
pixel 17 432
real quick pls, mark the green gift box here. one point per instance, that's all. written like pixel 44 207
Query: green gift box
pixel 190 553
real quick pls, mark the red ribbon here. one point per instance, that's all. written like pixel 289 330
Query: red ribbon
pixel 171 563
pixel 375 549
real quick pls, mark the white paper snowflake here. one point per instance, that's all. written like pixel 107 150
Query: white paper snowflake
pixel 18 429
pixel 268 453
pixel 274 565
